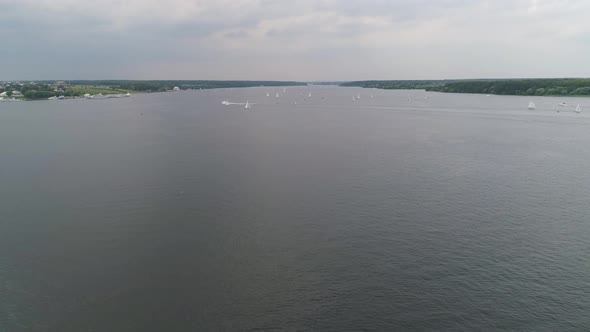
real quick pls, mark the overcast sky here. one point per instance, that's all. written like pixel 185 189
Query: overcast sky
pixel 293 39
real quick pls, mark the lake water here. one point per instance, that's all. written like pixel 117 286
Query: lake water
pixel 406 211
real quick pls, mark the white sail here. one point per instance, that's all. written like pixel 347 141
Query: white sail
pixel 578 109
pixel 277 95
pixel 531 105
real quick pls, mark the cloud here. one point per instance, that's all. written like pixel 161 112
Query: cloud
pixel 301 40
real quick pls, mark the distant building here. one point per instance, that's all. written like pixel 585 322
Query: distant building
pixel 4 94
pixel 176 88
pixel 16 94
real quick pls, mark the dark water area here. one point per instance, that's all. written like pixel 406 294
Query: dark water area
pixel 403 210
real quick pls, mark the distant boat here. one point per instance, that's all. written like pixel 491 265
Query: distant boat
pixel 531 105
pixel 358 97
pixel 246 105
pixel 562 104
pixel 578 109
pixel 52 98
pixel 284 90
pixel 268 94
pixel 277 95
pixel 309 95
pixel 61 97
pixel 353 99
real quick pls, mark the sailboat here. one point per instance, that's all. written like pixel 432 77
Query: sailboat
pixel 247 106
pixel 353 99
pixel 578 109
pixel 309 95
pixel 531 105
pixel 277 95
pixel 358 97
pixel 268 94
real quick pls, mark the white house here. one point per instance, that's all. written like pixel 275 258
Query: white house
pixel 3 94
pixel 16 94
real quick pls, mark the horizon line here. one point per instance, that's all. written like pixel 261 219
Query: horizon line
pixel 299 81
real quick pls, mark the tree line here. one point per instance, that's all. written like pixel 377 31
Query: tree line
pixel 164 85
pixel 522 87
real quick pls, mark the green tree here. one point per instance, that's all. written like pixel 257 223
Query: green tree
pixel 552 92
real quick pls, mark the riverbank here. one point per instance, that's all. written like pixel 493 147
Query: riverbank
pixel 41 90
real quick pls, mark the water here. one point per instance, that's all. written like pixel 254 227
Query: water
pixel 409 210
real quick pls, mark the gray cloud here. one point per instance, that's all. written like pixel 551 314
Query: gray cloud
pixel 299 40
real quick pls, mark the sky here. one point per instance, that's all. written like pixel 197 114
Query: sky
pixel 303 40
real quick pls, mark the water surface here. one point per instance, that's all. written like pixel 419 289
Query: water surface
pixel 408 210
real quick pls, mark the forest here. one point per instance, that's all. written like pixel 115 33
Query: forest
pixel 521 87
